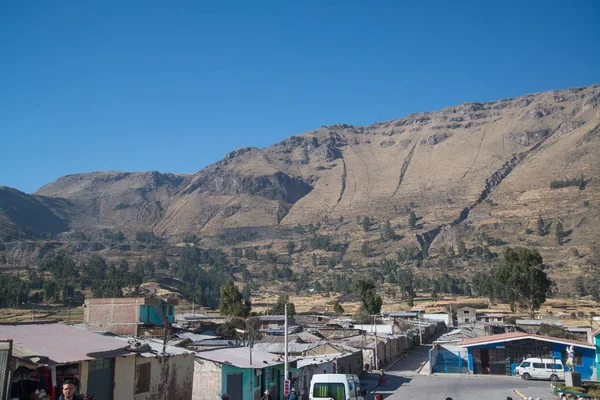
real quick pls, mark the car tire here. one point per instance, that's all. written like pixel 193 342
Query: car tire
pixel 553 378
pixel 526 376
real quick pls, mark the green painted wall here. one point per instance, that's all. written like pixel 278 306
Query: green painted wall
pixel 597 340
pixel 250 382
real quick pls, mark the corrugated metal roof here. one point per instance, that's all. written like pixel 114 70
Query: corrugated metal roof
pixel 240 357
pixel 266 318
pixel 62 344
pixel 279 348
pixel 510 336
pixel 156 347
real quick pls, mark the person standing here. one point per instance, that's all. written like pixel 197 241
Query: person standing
pixel 68 391
pixel 293 395
pixel 267 396
pixel 379 363
pixel 382 378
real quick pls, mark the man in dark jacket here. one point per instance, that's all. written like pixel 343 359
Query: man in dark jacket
pixel 68 389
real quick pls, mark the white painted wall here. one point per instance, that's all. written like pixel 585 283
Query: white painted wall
pixel 207 380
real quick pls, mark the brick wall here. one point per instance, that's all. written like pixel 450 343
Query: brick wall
pixel 117 315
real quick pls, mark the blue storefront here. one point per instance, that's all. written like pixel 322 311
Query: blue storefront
pixel 501 354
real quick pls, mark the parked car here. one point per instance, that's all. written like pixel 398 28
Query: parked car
pixel 335 387
pixel 541 368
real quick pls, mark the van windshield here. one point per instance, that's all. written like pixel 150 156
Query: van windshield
pixel 525 364
pixel 335 391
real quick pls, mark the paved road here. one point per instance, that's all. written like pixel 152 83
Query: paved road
pixel 406 383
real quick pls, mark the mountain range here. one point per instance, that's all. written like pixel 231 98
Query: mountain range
pixel 494 168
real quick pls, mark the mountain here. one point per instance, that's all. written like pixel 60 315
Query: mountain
pixel 467 170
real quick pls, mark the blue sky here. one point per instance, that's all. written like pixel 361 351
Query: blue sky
pixel 174 86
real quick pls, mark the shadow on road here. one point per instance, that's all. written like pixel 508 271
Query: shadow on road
pixel 371 384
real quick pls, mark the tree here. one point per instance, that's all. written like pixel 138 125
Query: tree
pixel 279 307
pixel 522 278
pixel 366 224
pixel 412 220
pixel 338 309
pixel 388 232
pixel 541 226
pixel 290 246
pixel 558 232
pixel 365 249
pixel 232 302
pixel 371 301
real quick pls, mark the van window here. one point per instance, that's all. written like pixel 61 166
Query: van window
pixel 335 391
pixel 538 365
pixel 553 366
pixel 525 364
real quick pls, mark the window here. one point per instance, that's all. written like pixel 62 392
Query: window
pixel 539 365
pixel 525 365
pixel 142 378
pixel 466 312
pixel 553 366
pixel 334 391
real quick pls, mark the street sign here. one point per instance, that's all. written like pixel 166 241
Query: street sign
pixel 286 387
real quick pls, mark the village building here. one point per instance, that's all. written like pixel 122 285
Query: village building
pixel 276 321
pixel 241 372
pixel 534 325
pixel 466 315
pixel 490 317
pixel 501 354
pixel 46 354
pixel 129 316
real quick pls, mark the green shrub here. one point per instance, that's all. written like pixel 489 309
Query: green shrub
pixel 579 182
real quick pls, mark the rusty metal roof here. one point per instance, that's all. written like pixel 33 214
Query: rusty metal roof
pixel 240 357
pixel 59 344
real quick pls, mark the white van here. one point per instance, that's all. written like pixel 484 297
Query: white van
pixel 541 368
pixel 335 387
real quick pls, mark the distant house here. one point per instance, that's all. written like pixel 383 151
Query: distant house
pixel 466 315
pixel 275 321
pixel 237 372
pixel 534 325
pixel 500 354
pixel 45 355
pixel 490 317
pixel 129 316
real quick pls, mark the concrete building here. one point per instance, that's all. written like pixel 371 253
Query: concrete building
pixel 129 316
pixel 500 354
pixel 466 315
pixel 45 355
pixel 237 372
pixel 490 317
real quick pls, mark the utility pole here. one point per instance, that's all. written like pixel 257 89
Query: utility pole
pixel 420 334
pixel 376 361
pixel 286 342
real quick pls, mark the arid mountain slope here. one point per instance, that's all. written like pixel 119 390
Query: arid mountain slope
pixel 489 164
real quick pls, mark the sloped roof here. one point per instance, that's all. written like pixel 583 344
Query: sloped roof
pixel 595 333
pixel 510 336
pixel 60 343
pixel 240 357
pixel 279 348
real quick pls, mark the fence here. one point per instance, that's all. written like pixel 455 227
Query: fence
pixel 451 362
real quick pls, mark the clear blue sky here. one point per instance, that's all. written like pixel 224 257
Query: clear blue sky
pixel 174 85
